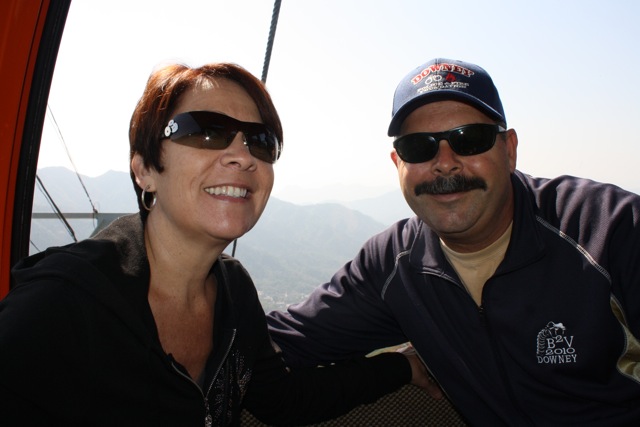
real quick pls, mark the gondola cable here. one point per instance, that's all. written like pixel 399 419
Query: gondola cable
pixel 34 245
pixel 272 36
pixel 56 209
pixel 55 123
pixel 265 67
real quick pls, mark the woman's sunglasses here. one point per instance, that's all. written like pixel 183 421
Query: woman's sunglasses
pixel 215 131
pixel 467 140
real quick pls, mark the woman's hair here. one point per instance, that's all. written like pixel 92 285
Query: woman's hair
pixel 164 89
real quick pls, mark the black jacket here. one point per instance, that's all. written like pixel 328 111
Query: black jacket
pixel 79 346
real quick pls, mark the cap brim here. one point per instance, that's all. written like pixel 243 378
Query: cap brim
pixel 441 95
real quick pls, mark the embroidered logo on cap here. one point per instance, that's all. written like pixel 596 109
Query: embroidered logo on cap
pixel 436 68
pixel 434 78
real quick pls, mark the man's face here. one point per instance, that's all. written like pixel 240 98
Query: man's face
pixel 471 216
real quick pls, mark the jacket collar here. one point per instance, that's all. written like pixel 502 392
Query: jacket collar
pixel 526 244
pixel 114 268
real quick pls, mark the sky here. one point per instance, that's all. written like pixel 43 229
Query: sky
pixel 567 72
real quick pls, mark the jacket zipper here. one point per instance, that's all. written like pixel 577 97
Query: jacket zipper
pixel 500 363
pixel 497 355
pixel 208 419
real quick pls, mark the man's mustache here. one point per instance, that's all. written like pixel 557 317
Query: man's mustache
pixel 453 184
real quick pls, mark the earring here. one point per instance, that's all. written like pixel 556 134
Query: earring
pixel 142 199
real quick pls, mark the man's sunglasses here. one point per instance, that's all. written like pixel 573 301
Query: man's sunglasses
pixel 215 131
pixel 467 140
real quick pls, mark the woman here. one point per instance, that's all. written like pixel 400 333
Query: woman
pixel 149 323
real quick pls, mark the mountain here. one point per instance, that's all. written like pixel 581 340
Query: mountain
pixel 110 192
pixel 294 248
pixel 291 250
pixel 386 209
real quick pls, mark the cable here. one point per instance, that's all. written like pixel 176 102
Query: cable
pixel 272 36
pixel 265 68
pixel 34 245
pixel 55 123
pixel 55 209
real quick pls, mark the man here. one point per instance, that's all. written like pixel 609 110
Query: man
pixel 520 294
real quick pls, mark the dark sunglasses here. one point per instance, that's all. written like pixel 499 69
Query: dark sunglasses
pixel 215 131
pixel 467 140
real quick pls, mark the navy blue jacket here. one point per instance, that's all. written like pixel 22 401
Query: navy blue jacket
pixel 555 340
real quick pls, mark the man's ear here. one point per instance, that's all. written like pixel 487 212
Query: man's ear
pixel 512 148
pixel 143 175
pixel 394 157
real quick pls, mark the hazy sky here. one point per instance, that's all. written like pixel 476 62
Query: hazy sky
pixel 567 72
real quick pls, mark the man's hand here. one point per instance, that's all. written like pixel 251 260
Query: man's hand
pixel 419 374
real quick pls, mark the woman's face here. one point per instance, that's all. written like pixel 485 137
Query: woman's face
pixel 205 193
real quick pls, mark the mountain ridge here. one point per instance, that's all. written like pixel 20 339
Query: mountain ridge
pixel 291 250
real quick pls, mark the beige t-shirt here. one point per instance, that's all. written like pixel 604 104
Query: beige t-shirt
pixel 475 268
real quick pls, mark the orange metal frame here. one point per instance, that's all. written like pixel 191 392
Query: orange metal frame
pixel 26 32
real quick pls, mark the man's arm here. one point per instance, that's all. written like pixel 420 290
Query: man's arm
pixel 344 318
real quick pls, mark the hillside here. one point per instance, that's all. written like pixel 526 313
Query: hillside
pixel 291 250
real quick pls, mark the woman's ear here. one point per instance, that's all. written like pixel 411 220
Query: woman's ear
pixel 143 175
